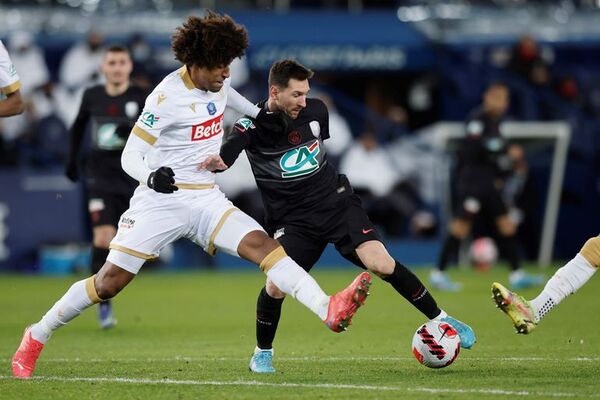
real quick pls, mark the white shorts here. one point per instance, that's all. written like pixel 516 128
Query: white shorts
pixel 154 220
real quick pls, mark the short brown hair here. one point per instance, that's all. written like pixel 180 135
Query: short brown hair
pixel 116 48
pixel 211 41
pixel 283 70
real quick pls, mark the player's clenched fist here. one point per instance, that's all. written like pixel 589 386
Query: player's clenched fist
pixel 162 180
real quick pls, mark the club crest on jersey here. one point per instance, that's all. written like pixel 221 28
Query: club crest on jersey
pixel 294 137
pixel 212 109
pixel 300 161
pixel 243 124
pixel 207 129
pixel 149 119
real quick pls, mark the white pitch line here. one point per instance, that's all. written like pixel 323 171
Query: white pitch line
pixel 311 359
pixel 146 381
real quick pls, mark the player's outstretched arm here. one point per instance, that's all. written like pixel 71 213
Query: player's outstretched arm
pixel 213 163
pixel 12 105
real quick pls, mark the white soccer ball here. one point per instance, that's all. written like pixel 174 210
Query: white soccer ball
pixel 436 344
pixel 484 253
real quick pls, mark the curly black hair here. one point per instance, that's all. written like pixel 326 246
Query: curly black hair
pixel 211 41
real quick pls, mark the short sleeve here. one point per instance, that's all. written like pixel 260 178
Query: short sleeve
pixel 156 116
pixel 9 79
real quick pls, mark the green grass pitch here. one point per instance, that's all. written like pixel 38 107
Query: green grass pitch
pixel 189 336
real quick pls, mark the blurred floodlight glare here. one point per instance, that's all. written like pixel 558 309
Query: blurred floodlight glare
pixel 413 14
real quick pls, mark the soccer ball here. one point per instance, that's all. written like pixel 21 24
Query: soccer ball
pixel 436 344
pixel 484 253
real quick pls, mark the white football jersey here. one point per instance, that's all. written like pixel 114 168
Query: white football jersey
pixel 184 124
pixel 9 80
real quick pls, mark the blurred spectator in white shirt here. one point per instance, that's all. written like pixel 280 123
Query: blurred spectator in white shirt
pixel 340 134
pixel 369 166
pixel 238 183
pixel 29 60
pixel 80 66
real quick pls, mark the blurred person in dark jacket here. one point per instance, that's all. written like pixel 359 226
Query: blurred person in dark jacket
pixel 477 190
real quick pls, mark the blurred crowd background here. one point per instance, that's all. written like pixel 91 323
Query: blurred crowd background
pixel 387 70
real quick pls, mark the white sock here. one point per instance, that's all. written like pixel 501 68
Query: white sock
pixel 73 302
pixel 293 280
pixel 443 314
pixel 258 350
pixel 566 281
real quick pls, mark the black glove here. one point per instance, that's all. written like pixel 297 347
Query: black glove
pixel 162 180
pixel 72 170
pixel 276 122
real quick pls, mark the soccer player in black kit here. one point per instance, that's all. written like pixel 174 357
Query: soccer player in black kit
pixel 482 167
pixel 109 112
pixel 309 205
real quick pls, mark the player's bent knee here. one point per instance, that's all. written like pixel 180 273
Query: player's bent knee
pixel 110 280
pixel 506 227
pixel 460 228
pixel 273 291
pixel 591 251
pixel 103 235
pixel 376 258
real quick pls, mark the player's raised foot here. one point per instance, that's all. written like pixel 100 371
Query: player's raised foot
pixel 465 332
pixel 516 307
pixel 521 280
pixel 23 362
pixel 105 315
pixel 262 361
pixel 344 304
pixel 441 281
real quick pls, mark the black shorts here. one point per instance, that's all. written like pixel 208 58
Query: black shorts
pixel 341 220
pixel 105 208
pixel 478 198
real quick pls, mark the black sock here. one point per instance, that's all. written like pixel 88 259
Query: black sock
pixel 412 289
pixel 98 258
pixel 449 250
pixel 268 311
pixel 509 249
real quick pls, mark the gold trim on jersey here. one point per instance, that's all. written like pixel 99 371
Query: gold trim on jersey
pixel 142 134
pixel 591 251
pixel 90 289
pixel 187 79
pixel 131 252
pixel 195 186
pixel 13 87
pixel 272 258
pixel 192 186
pixel 211 249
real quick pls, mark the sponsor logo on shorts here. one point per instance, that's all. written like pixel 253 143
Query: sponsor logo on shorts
pixel 126 223
pixel 208 129
pixel 300 161
pixel 279 233
pixel 365 231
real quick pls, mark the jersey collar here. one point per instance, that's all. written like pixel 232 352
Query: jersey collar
pixel 186 78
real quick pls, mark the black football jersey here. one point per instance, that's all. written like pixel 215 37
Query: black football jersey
pixel 109 120
pixel 291 170
pixel 482 153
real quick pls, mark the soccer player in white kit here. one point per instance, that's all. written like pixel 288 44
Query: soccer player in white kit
pixel 181 124
pixel 11 102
